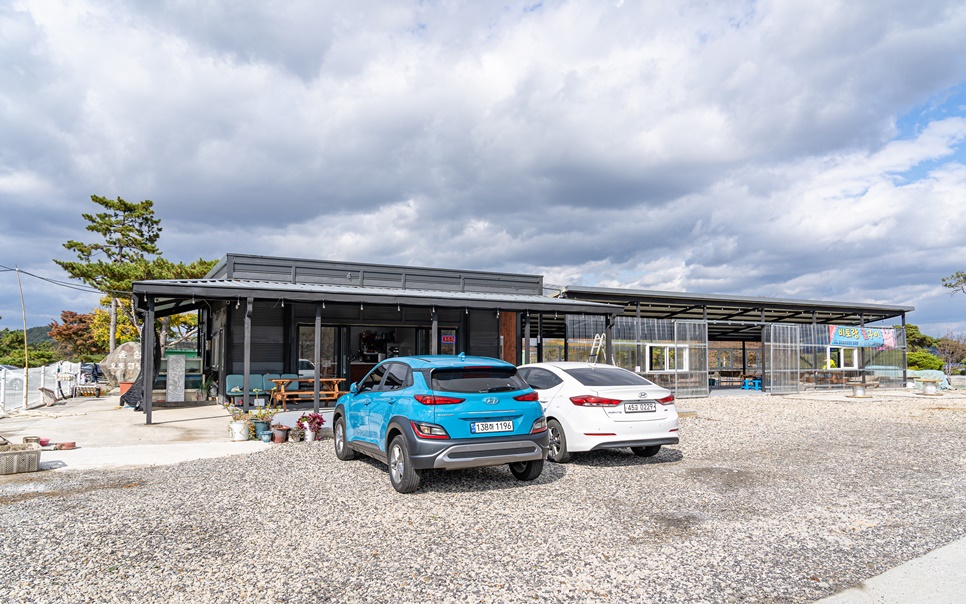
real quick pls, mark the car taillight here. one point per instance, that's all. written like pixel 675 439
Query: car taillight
pixel 529 396
pixel 667 400
pixel 432 399
pixel 539 425
pixel 593 401
pixel 428 430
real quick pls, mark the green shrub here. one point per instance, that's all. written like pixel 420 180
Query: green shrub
pixel 920 359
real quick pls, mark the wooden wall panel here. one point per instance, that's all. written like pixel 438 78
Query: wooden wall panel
pixel 508 331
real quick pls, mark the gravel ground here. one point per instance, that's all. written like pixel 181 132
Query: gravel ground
pixel 767 499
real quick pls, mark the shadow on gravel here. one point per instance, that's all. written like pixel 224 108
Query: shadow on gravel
pixel 491 478
pixel 623 457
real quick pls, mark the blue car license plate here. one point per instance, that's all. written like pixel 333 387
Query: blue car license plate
pixel 488 427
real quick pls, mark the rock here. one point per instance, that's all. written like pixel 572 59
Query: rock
pixel 122 365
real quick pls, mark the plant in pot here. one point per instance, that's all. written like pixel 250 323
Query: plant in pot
pixel 312 424
pixel 239 427
pixel 261 418
pixel 279 433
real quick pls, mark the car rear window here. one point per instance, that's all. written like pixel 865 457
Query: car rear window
pixel 607 376
pixel 477 379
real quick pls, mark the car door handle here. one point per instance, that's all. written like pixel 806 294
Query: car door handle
pixel 391 399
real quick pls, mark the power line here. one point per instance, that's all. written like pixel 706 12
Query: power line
pixel 80 288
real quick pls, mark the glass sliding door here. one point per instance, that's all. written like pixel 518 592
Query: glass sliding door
pixel 328 354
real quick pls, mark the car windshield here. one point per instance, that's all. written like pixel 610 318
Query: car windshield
pixel 607 376
pixel 478 379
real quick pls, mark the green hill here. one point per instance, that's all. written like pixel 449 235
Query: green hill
pixel 36 335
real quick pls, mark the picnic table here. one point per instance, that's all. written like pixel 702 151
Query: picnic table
pixel 305 388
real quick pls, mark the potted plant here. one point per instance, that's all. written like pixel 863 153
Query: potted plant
pixel 261 418
pixel 312 424
pixel 239 426
pixel 280 433
pixel 209 388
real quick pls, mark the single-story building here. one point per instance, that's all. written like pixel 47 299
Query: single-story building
pixel 269 315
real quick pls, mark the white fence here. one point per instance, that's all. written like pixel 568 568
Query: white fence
pixel 16 392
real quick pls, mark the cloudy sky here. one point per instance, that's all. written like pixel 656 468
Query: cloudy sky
pixel 808 150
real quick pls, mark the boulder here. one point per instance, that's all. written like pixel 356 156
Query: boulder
pixel 122 365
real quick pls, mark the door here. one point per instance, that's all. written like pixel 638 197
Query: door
pixel 543 382
pixel 782 350
pixel 328 361
pixel 690 359
pixel 398 376
pixel 370 389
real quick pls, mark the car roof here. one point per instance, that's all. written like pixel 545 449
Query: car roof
pixel 449 361
pixel 571 365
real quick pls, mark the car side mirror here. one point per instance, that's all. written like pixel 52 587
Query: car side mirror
pixel 354 388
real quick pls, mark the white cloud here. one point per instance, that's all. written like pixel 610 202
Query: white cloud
pixel 738 147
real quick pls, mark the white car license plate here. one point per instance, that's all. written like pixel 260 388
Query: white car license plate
pixel 486 427
pixel 640 407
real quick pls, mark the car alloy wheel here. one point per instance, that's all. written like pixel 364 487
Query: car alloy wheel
pixel 402 475
pixel 342 449
pixel 558 443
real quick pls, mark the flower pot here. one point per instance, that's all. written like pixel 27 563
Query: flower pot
pixel 239 430
pixel 125 386
pixel 262 427
pixel 266 436
pixel 309 435
pixel 280 435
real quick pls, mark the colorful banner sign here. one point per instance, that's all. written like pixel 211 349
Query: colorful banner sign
pixel 855 337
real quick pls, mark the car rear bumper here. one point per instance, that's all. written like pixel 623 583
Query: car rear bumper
pixel 614 435
pixel 476 452
pixel 636 443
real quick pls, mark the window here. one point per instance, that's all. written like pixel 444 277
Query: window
pixel 667 358
pixel 374 379
pixel 841 358
pixel 540 379
pixel 477 379
pixel 606 375
pixel 398 376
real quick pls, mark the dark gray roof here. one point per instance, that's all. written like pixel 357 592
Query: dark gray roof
pixel 179 295
pixel 730 316
pixel 331 272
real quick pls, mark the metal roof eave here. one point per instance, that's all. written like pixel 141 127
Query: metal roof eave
pixel 295 292
pixel 630 296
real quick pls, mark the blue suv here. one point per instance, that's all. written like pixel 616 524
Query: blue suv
pixel 446 412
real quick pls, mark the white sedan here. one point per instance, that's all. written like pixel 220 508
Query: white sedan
pixel 593 406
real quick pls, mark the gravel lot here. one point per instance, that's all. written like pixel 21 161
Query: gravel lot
pixel 767 499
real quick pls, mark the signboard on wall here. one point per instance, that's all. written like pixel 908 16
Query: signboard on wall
pixel 856 337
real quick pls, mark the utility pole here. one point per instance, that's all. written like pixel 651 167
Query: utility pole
pixel 26 364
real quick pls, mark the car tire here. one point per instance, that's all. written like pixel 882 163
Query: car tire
pixel 526 470
pixel 558 443
pixel 646 451
pixel 403 476
pixel 342 449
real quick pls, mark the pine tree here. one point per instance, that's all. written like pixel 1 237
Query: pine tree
pixel 130 233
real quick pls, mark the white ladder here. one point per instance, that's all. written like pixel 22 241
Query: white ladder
pixel 600 342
